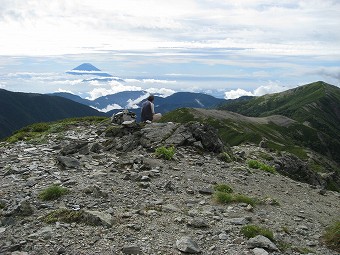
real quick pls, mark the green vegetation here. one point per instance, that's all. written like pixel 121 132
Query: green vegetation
pixel 313 106
pixel 166 153
pixel 182 115
pixel 223 188
pixel 224 195
pixel 259 165
pixel 2 205
pixel 63 215
pixel 37 132
pixel 302 250
pixel 251 231
pixel 223 198
pixel 332 236
pixel 53 192
pixel 225 156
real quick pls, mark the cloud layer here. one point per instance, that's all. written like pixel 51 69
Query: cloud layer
pixel 224 47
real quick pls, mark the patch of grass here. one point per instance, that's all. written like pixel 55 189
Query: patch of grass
pixel 165 152
pixel 63 215
pixel 265 156
pixel 332 236
pixel 302 250
pixel 53 192
pixel 251 231
pixel 223 198
pixel 181 115
pixel 259 165
pixel 226 157
pixel 223 188
pixel 39 130
pixel 224 195
pixel 239 198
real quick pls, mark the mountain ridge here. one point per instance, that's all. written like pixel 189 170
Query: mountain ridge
pixel 20 109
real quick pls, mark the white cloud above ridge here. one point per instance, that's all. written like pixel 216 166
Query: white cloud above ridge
pixel 270 88
pixel 62 26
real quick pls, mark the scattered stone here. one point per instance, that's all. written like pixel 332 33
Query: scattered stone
pixel 261 242
pixel 132 249
pixel 188 245
pixel 68 162
pixel 260 251
pixel 198 223
pixel 239 221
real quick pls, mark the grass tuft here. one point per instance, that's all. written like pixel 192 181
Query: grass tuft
pixel 332 236
pixel 259 165
pixel 166 153
pixel 53 192
pixel 63 215
pixel 223 188
pixel 251 231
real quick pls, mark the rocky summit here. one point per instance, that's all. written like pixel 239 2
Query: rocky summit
pixel 119 195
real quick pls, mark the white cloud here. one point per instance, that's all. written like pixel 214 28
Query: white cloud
pixel 132 104
pixel 114 88
pixel 162 91
pixel 66 91
pixel 270 88
pixel 109 108
pixel 233 94
pixel 39 27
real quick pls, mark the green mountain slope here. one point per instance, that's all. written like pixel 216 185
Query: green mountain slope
pixel 315 105
pixel 21 109
pixel 281 134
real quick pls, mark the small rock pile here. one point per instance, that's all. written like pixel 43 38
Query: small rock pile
pixel 123 199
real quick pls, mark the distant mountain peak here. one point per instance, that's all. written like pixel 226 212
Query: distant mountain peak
pixel 88 69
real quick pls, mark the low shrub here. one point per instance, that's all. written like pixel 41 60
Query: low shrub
pixel 223 197
pixel 63 215
pixel 251 231
pixel 53 192
pixel 332 236
pixel 244 199
pixel 259 165
pixel 166 153
pixel 223 188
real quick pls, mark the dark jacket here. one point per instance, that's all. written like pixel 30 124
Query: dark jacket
pixel 147 113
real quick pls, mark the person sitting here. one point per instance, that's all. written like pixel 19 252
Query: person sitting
pixel 148 111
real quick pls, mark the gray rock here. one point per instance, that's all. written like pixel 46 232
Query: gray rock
pixel 239 221
pixel 132 249
pixel 198 223
pixel 188 245
pixel 261 242
pixel 73 148
pixel 44 233
pixel 206 191
pixel 24 208
pixel 98 218
pixel 260 251
pixel 68 162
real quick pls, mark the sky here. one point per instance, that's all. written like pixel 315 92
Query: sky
pixel 220 47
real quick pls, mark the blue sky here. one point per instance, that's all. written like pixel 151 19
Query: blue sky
pixel 220 47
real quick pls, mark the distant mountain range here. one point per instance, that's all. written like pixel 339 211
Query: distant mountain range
pixel 134 99
pixel 21 109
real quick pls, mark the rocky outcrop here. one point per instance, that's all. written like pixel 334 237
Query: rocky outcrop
pixel 123 199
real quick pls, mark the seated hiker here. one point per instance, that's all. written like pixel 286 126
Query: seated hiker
pixel 148 110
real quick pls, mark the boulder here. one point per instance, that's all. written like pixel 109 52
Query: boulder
pixel 188 245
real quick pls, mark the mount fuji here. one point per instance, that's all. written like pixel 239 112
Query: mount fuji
pixel 87 69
